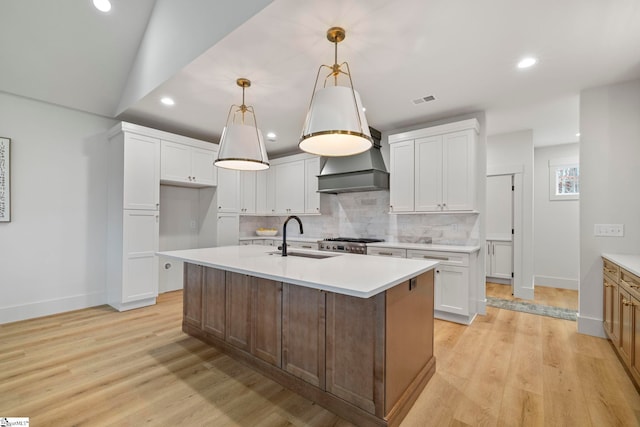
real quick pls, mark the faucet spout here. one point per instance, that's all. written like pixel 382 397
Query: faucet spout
pixel 284 232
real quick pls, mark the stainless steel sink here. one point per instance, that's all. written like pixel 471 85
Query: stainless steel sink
pixel 303 254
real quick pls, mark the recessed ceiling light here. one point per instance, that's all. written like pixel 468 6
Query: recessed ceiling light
pixel 578 134
pixel 102 5
pixel 168 101
pixel 364 109
pixel 527 62
pixel 271 136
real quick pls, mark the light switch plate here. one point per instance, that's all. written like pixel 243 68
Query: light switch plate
pixel 608 230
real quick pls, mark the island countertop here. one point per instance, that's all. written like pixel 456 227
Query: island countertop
pixel 348 274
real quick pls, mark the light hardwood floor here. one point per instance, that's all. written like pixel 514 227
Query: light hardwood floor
pixel 564 298
pixel 99 367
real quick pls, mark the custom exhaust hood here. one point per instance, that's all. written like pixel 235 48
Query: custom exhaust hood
pixel 361 172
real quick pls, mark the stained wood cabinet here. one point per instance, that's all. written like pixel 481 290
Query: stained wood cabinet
pixel 366 359
pixel 621 314
pixel 303 333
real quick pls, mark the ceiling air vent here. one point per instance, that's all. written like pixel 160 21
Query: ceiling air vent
pixel 424 99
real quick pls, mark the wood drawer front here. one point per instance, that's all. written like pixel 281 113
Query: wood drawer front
pixel 610 269
pixel 631 281
pixel 449 258
pixel 391 252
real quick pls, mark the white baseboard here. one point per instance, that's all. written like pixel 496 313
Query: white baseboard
pixel 54 306
pixel 482 307
pixel 556 282
pixel 590 326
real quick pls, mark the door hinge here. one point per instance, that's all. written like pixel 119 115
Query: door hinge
pixel 511 274
pixel 513 188
pixel 512 232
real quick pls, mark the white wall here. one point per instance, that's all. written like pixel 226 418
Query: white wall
pixel 53 252
pixel 556 224
pixel 610 177
pixel 512 151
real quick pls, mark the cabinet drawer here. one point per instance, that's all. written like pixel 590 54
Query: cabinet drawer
pixel 391 252
pixel 610 269
pixel 631 281
pixel 448 258
pixel 302 245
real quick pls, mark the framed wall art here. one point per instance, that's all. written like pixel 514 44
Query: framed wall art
pixel 5 179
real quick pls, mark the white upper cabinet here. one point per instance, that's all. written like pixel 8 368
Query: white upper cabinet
pixel 312 197
pixel 290 187
pixel 265 192
pixel 187 165
pixel 248 192
pixel 402 177
pixel 141 160
pixel 433 169
pixel 227 192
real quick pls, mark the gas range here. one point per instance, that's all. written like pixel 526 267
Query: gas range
pixel 346 244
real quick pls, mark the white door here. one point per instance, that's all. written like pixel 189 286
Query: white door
pixel 227 193
pixel 428 174
pixel 312 197
pixel 175 162
pixel 290 187
pixel 499 206
pixel 202 169
pixel 141 172
pixel 501 259
pixel 401 184
pixel 452 289
pixel 140 244
pixel 458 189
pixel 247 192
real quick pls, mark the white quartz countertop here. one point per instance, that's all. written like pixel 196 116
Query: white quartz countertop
pixel 426 247
pixel 631 263
pixel 349 274
pixel 279 238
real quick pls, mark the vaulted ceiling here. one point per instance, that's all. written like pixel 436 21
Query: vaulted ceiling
pixel 462 52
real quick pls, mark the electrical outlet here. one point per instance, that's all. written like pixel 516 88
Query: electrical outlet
pixel 608 230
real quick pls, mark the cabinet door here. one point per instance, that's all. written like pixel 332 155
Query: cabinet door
pixel 428 174
pixel 458 169
pixel 247 192
pixel 501 265
pixel 266 336
pixel 488 260
pixel 303 333
pixel 290 187
pixel 192 298
pixel 227 230
pixel 635 361
pixel 312 197
pixel 626 325
pixel 452 289
pixel 202 169
pixel 609 300
pixel 355 359
pixel 175 161
pixel 261 191
pixel 238 310
pixel 615 323
pixel 141 173
pixel 401 184
pixel 227 192
pixel 140 244
pixel 214 295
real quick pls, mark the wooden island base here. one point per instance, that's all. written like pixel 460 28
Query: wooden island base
pixel 365 359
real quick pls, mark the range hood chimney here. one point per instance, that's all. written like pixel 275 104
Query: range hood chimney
pixel 361 172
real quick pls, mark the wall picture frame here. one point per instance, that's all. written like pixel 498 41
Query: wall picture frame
pixel 5 179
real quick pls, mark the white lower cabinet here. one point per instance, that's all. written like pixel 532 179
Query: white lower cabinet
pixel 499 259
pixel 135 284
pixel 227 229
pixel 455 284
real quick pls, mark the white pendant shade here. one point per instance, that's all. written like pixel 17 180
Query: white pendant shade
pixel 335 124
pixel 242 148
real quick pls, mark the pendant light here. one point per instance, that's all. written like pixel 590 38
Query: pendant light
pixel 242 145
pixel 335 124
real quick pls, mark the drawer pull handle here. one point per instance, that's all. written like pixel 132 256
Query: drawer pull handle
pixel 441 258
pixel 307 247
pixel 385 253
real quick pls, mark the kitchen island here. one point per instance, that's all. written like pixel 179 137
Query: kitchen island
pixel 350 332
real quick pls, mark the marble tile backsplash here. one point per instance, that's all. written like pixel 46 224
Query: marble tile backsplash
pixel 366 214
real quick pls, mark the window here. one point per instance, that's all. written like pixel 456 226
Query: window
pixel 564 179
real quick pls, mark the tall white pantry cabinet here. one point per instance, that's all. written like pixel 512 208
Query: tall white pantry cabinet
pixel 133 218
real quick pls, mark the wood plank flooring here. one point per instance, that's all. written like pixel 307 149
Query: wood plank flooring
pixel 555 297
pixel 98 367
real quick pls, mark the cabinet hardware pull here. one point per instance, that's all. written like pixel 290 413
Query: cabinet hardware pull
pixel 385 253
